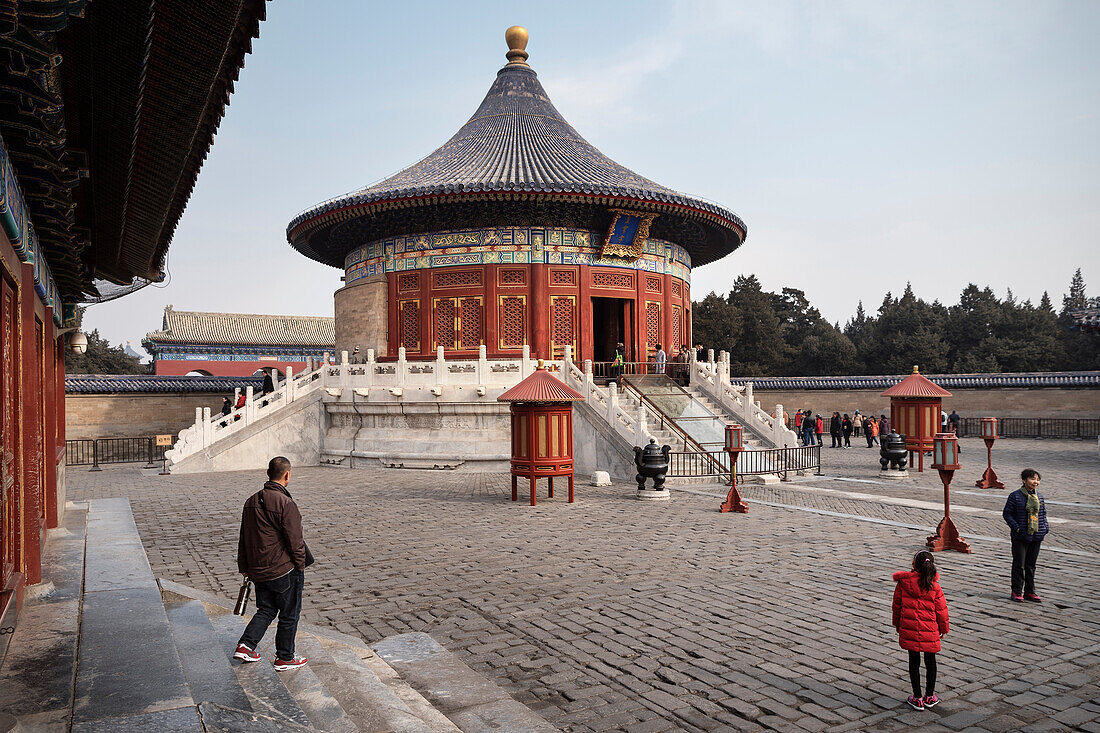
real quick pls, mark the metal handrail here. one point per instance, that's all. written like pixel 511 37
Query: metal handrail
pixel 753 463
pixel 687 439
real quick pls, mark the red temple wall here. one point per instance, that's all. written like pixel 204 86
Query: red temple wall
pixel 544 306
pixel 32 426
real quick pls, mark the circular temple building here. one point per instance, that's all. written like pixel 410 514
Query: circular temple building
pixel 515 232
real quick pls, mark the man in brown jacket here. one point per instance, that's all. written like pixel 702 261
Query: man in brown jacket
pixel 272 553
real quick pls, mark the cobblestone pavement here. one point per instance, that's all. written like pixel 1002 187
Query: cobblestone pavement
pixel 614 614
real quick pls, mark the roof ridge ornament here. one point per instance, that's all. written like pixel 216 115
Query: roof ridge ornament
pixel 517 37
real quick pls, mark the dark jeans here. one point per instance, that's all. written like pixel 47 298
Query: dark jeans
pixel 914 673
pixel 282 597
pixel 836 439
pixel 848 439
pixel 1024 555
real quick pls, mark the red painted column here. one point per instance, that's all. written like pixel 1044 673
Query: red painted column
pixel 30 407
pixel 540 311
pixel 666 315
pixel 586 346
pixel 49 441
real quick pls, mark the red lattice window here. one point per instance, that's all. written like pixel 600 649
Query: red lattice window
pixel 469 323
pixel 676 289
pixel 513 322
pixel 562 324
pixel 677 328
pixel 512 278
pixel 409 317
pixel 653 284
pixel 618 280
pixel 652 323
pixel 457 278
pixel 563 278
pixel 445 321
pixel 407 283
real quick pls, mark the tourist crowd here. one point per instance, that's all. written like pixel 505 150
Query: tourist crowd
pixel 810 427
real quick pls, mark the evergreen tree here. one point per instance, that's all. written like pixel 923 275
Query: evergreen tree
pixel 760 347
pixel 1080 351
pixel 102 358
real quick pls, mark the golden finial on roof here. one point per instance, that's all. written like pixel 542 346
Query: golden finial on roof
pixel 915 369
pixel 517 36
pixel 541 366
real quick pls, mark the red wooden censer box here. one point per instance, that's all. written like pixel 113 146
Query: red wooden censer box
pixel 915 406
pixel 542 430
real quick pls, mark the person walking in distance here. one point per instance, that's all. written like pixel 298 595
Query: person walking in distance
pixel 227 406
pixel 920 617
pixel 1025 513
pixel 269 384
pixel 661 359
pixel 835 426
pixel 857 422
pixel 872 432
pixel 272 553
pixel 819 430
pixel 808 424
pixel 846 428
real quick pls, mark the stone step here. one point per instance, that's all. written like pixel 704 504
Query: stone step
pixel 127 672
pixel 472 702
pixel 373 705
pixel 209 676
pixel 320 705
pixel 36 679
pixel 266 691
pixel 230 720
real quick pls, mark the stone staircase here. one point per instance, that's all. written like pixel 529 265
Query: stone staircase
pixel 101 645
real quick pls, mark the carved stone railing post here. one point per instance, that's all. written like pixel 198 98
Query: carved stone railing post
pixel 747 392
pixel 525 362
pixel 289 388
pixel 200 430
pixel 710 357
pixel 440 366
pixel 249 406
pixel 207 428
pixel 482 366
pixel 402 367
pixel 612 403
pixel 641 430
pixel 371 363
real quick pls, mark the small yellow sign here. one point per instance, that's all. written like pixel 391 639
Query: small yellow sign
pixel 164 440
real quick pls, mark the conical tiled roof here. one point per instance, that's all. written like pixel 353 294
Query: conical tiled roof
pixel 916 385
pixel 518 143
pixel 541 386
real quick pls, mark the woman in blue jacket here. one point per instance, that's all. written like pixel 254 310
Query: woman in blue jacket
pixel 1026 514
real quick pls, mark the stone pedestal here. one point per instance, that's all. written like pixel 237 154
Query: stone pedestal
pixel 601 478
pixel 651 495
pixel 894 475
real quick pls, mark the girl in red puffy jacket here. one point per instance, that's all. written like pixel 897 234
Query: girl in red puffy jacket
pixel 920 616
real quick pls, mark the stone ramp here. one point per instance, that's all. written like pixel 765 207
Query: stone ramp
pixel 103 646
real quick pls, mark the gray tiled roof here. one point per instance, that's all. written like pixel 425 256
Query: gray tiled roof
pixel 947 381
pixel 518 142
pixel 155 384
pixel 193 327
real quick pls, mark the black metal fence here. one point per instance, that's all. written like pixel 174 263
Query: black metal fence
pixel 779 461
pixel 95 452
pixel 1033 427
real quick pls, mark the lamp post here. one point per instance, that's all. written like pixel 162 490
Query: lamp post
pixel 945 459
pixel 735 443
pixel 989 479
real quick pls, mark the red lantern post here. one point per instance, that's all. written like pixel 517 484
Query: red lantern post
pixel 945 459
pixel 989 479
pixel 735 443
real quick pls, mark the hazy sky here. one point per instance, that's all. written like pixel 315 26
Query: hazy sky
pixel 864 143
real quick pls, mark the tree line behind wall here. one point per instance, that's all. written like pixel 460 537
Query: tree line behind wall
pixel 782 334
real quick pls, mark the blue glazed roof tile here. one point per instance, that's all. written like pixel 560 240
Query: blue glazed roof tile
pixel 155 384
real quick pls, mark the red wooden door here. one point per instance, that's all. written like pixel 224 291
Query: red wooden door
pixel 9 489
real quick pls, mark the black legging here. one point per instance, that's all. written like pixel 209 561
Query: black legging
pixel 914 672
